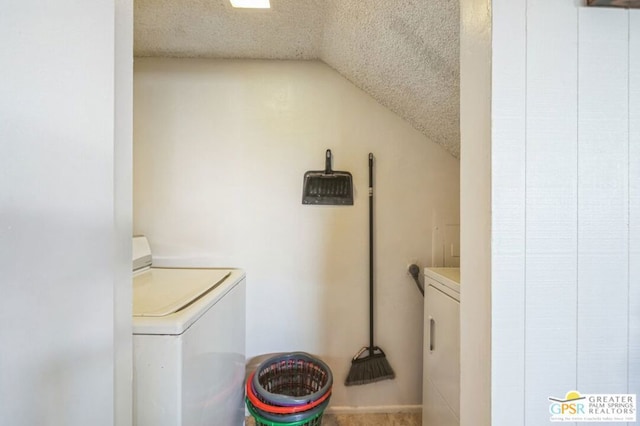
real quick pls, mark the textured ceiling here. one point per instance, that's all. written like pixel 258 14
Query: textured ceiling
pixel 404 53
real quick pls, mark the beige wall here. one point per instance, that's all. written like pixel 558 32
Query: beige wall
pixel 219 154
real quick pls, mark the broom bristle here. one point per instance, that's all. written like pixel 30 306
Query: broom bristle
pixel 369 369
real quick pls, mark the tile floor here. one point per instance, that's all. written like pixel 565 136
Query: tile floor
pixel 398 419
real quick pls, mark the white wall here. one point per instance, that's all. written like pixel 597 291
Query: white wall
pixel 475 213
pixel 219 155
pixel 565 204
pixel 123 214
pixel 64 210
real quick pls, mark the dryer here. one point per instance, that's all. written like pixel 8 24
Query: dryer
pixel 441 369
pixel 188 344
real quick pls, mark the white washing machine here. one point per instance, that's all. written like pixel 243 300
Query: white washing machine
pixel 441 369
pixel 188 344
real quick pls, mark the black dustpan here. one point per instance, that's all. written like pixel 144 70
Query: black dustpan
pixel 327 186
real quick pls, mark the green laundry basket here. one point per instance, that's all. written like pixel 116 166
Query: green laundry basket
pixel 315 420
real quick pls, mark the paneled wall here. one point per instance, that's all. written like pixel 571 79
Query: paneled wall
pixel 565 203
pixel 634 207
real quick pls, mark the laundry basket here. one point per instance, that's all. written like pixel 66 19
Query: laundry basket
pixel 291 389
pixel 315 420
pixel 262 405
pixel 292 379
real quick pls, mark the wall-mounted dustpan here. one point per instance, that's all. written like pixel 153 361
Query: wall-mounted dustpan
pixel 328 187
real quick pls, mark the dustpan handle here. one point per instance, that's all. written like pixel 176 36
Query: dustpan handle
pixel 327 162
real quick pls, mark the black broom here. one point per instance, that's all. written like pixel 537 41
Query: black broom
pixel 372 366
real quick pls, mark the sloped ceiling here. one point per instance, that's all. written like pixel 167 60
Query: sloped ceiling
pixel 404 53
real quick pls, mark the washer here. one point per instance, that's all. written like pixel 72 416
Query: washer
pixel 188 344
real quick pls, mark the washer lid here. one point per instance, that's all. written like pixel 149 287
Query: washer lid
pixel 160 292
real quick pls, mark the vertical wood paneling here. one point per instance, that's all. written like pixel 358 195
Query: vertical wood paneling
pixel 508 202
pixel 551 230
pixel 634 202
pixel 603 202
pixel 581 179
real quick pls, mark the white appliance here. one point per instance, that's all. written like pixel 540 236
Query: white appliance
pixel 188 344
pixel 441 369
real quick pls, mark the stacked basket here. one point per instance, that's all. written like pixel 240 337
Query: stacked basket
pixel 289 390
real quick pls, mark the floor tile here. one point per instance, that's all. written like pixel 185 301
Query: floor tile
pixel 396 419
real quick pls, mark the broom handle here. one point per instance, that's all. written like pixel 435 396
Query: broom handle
pixel 370 254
